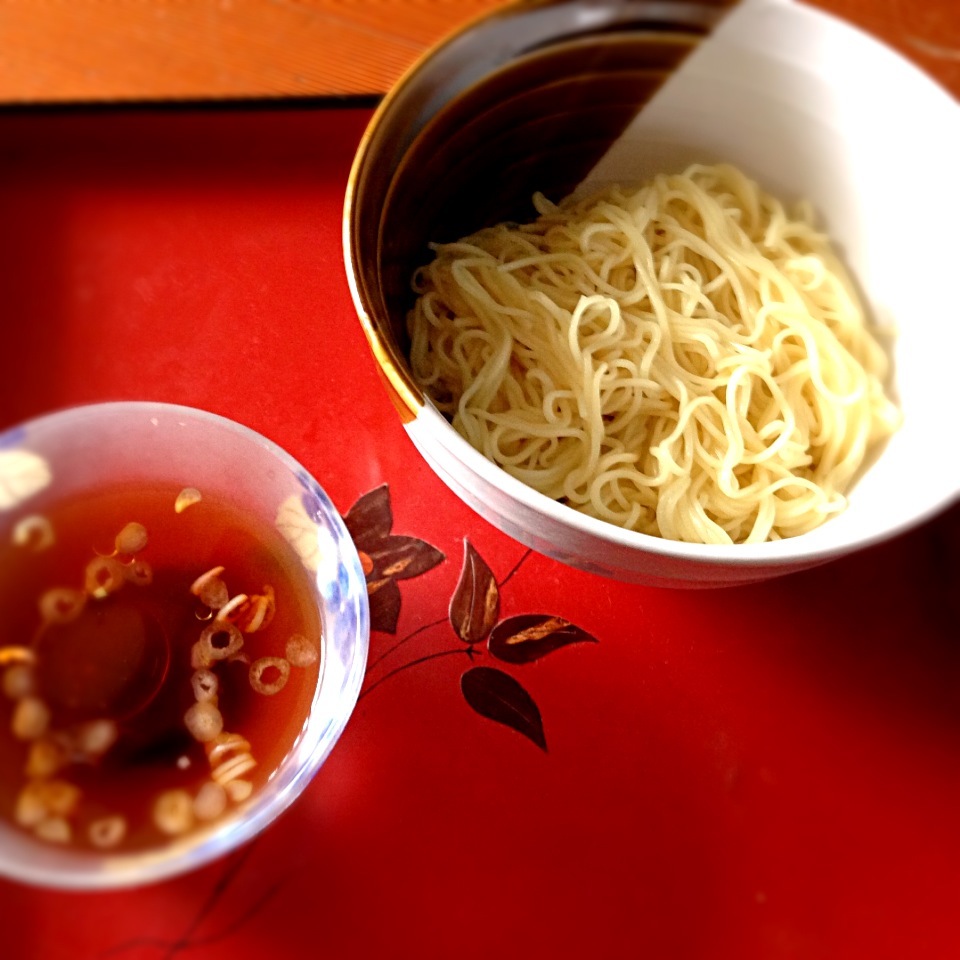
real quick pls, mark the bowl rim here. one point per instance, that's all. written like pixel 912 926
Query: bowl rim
pixel 806 549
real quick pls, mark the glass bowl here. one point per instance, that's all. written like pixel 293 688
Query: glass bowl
pixel 51 459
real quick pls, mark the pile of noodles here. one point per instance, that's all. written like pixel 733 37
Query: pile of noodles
pixel 687 359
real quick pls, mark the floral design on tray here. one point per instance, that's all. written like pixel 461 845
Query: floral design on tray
pixel 474 617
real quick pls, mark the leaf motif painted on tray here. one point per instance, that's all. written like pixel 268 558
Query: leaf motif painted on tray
pixel 370 519
pixel 475 604
pixel 498 697
pixel 531 636
pixel 403 557
pixel 22 474
pixel 299 530
pixel 384 597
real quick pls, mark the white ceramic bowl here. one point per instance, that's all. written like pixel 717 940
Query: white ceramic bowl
pixel 804 103
pixel 84 448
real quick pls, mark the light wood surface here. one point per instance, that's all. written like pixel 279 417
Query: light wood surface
pixel 76 50
pixel 54 51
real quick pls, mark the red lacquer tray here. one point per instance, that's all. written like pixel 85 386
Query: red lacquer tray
pixel 759 772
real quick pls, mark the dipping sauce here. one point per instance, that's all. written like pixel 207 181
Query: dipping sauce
pixel 159 653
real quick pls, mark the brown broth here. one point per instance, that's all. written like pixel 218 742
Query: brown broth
pixel 127 656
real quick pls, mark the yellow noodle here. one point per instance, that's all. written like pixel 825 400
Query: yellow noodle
pixel 687 359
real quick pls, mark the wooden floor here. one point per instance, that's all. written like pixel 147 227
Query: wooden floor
pixel 107 50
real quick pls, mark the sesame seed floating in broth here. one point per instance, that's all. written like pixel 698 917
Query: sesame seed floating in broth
pixel 16 653
pixel 139 573
pixel 173 812
pixel 107 832
pixel 30 720
pixel 34 533
pixel 226 745
pixel 210 801
pixel 210 589
pixel 204 721
pixel 19 681
pixel 301 652
pixel 45 757
pixel 261 672
pixel 239 790
pixel 205 686
pixel 256 612
pixel 186 498
pixel 131 539
pixel 62 605
pixel 96 737
pixel 233 768
pixel 54 830
pixel 220 640
pixel 103 576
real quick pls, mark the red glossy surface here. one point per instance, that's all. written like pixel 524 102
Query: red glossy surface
pixel 768 771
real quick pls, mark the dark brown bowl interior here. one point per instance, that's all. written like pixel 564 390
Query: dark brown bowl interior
pixel 525 100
